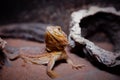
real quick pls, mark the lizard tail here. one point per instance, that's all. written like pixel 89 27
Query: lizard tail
pixel 35 59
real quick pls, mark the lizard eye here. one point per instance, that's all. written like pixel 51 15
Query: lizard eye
pixel 59 28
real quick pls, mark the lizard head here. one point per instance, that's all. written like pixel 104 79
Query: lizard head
pixel 55 38
pixel 2 43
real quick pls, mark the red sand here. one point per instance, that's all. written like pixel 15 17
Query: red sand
pixel 19 70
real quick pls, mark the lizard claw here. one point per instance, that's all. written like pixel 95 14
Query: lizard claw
pixel 77 66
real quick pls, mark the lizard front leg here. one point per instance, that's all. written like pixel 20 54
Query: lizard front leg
pixel 74 66
pixel 50 65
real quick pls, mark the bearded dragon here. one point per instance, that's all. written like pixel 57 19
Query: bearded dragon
pixel 56 42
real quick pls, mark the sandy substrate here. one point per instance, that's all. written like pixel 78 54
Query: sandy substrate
pixel 19 70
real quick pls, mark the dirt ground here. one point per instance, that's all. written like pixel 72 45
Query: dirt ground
pixel 19 70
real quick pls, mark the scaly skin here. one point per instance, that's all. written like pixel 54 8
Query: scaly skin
pixel 56 41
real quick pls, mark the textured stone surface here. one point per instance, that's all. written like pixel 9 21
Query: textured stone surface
pixel 92 51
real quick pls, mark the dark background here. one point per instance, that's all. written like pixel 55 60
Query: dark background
pixel 46 11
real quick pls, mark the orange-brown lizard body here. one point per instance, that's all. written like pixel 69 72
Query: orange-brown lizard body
pixel 56 41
